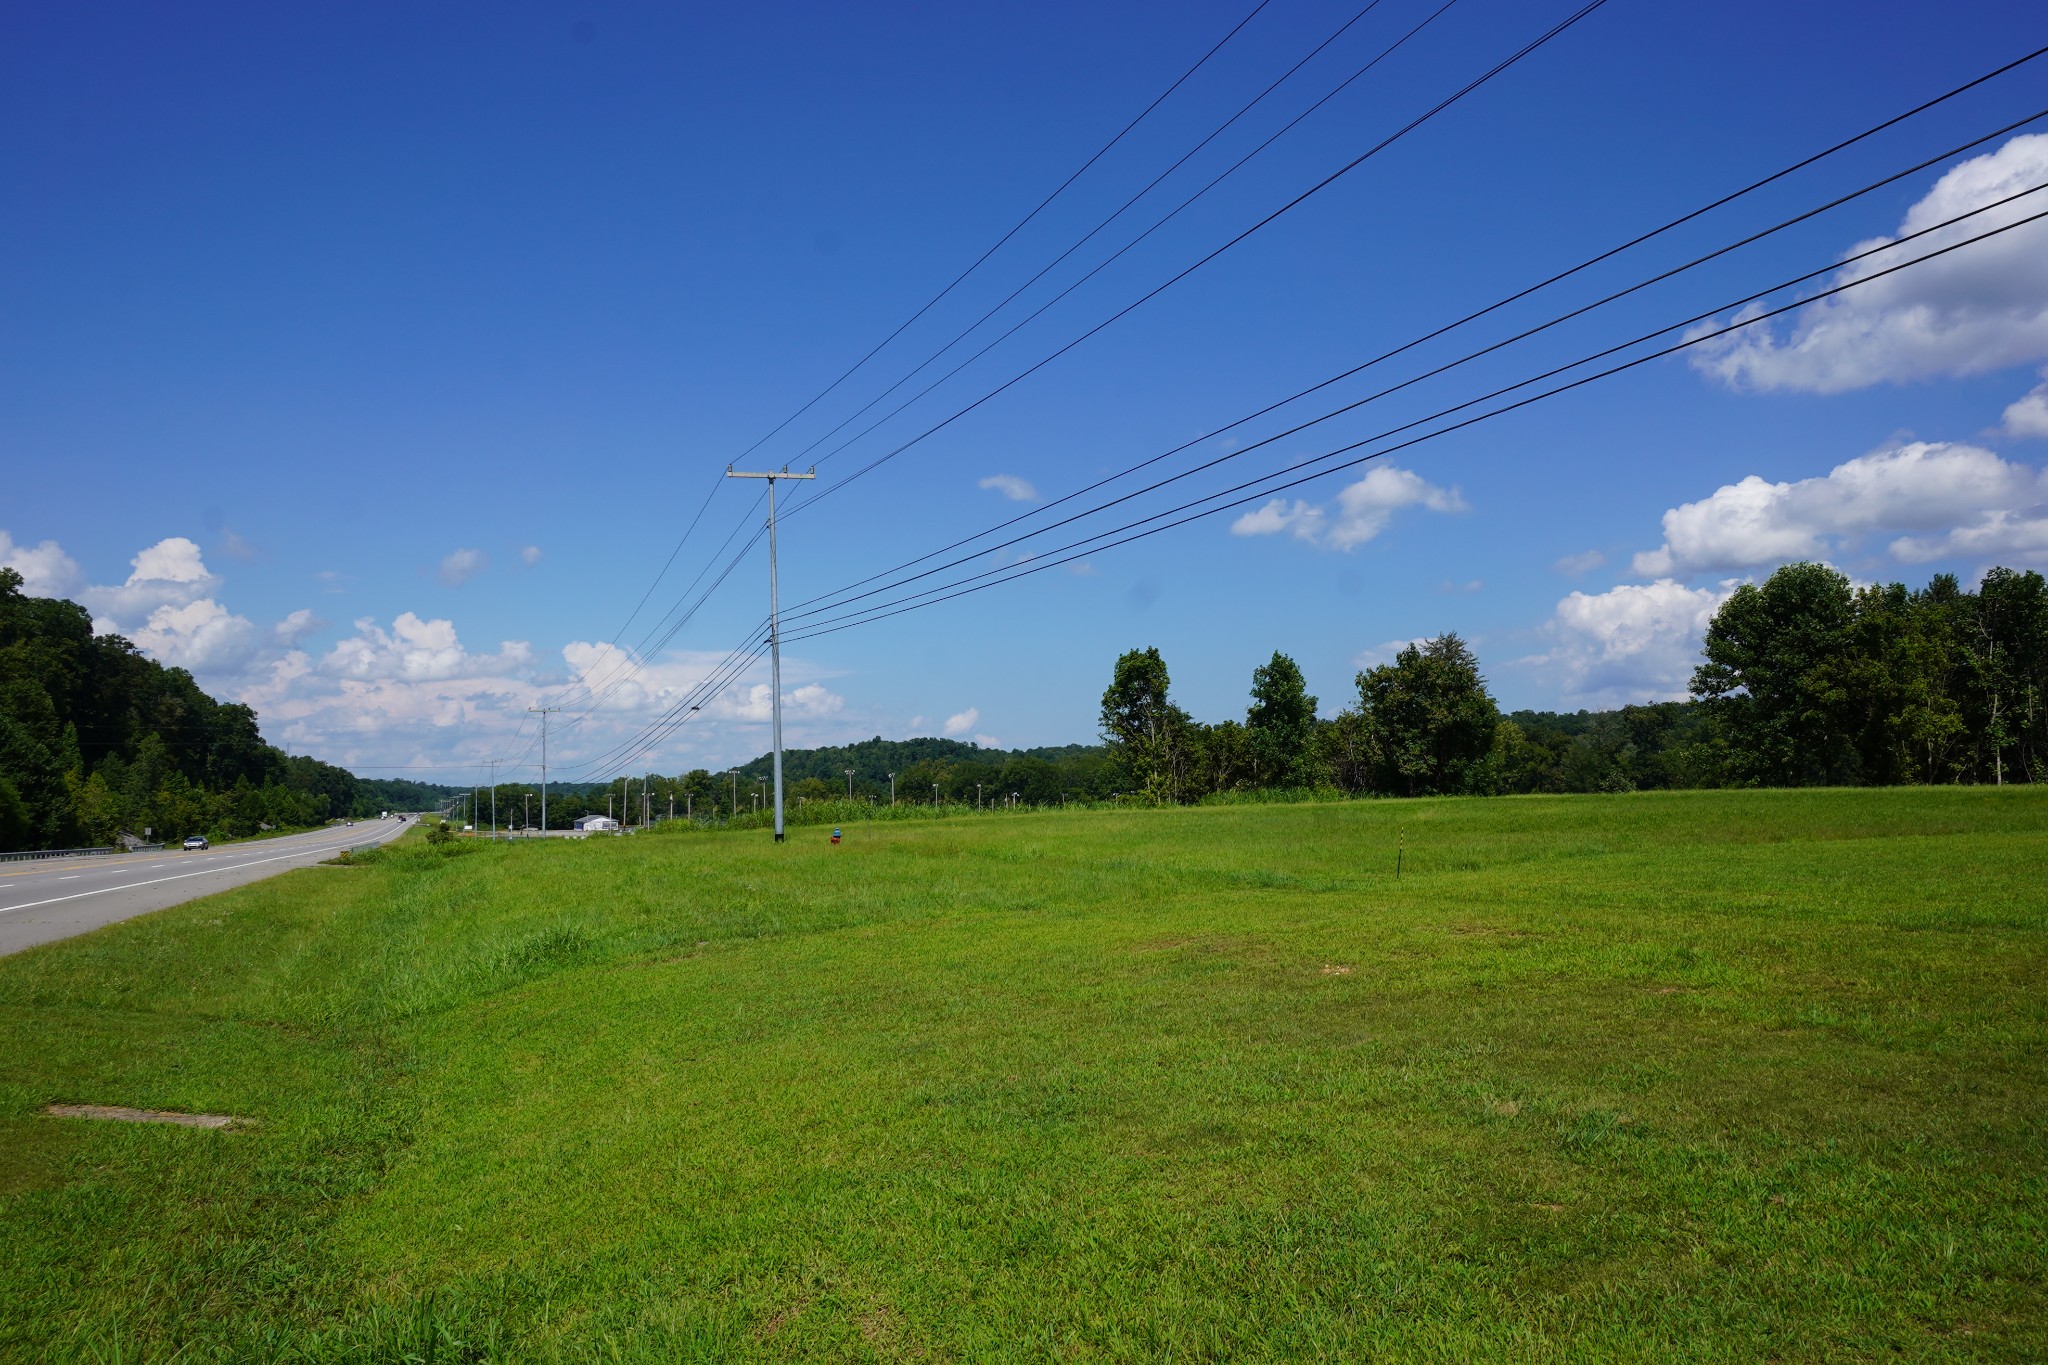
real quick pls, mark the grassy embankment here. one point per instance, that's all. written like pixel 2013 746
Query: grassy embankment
pixel 1707 1076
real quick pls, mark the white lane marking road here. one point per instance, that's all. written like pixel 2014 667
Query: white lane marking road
pixel 175 877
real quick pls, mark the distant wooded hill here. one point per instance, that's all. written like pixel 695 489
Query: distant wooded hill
pixel 97 740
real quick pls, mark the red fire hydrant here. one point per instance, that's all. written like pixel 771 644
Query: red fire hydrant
pixel 835 836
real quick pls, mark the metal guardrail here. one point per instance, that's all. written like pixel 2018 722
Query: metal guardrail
pixel 37 854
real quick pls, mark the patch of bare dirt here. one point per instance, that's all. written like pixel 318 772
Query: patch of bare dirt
pixel 123 1114
pixel 781 1319
pixel 1335 969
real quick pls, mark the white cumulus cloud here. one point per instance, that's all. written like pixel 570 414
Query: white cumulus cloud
pixel 411 693
pixel 1979 308
pixel 1923 487
pixel 171 560
pixel 2007 537
pixel 1385 651
pixel 529 555
pixel 1302 520
pixel 46 571
pixel 2029 415
pixel 170 573
pixel 416 650
pixel 1635 643
pixel 1571 566
pixel 298 625
pixel 463 565
pixel 1011 487
pixel 1359 512
pixel 202 636
pixel 963 722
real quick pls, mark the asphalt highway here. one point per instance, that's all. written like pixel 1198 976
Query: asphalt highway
pixel 53 899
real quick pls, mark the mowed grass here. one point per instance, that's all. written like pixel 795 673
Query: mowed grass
pixel 1701 1076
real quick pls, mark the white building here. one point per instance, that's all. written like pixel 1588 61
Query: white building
pixel 596 824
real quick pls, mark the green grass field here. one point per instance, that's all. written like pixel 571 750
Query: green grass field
pixel 1702 1076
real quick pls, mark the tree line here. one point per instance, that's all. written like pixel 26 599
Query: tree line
pixel 926 771
pixel 1805 679
pixel 97 741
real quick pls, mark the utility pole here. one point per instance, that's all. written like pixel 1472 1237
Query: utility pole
pixel 774 626
pixel 892 789
pixel 543 712
pixel 734 774
pixel 849 784
pixel 494 798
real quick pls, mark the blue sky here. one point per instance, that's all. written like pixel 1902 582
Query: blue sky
pixel 370 361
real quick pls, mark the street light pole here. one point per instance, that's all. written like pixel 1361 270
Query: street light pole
pixel 774 626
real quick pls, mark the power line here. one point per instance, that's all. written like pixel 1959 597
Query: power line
pixel 1576 269
pixel 714 683
pixel 826 602
pixel 1264 486
pixel 642 652
pixel 1521 294
pixel 1298 199
pixel 1039 565
pixel 1019 227
pixel 1092 232
pixel 708 496
pixel 1413 124
pixel 649 645
pixel 652 735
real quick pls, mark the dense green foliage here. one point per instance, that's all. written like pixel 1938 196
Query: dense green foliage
pixel 927 771
pixel 1811 681
pixel 1708 1076
pixel 97 741
pixel 1806 681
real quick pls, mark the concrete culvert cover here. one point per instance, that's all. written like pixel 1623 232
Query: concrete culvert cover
pixel 123 1114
